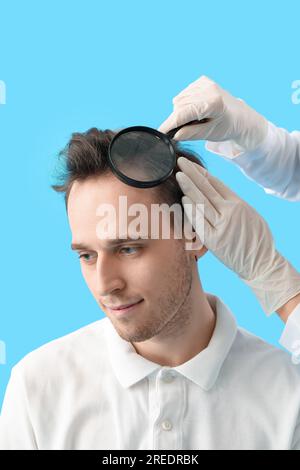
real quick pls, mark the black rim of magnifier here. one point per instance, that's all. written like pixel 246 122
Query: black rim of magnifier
pixel 130 181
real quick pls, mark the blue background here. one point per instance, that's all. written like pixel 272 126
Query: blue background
pixel 72 65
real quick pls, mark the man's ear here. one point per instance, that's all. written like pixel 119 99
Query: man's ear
pixel 198 252
pixel 201 252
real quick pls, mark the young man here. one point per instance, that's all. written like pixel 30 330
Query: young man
pixel 173 371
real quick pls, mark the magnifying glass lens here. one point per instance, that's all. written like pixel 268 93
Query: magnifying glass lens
pixel 141 156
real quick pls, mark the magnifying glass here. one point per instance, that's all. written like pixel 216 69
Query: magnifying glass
pixel 144 157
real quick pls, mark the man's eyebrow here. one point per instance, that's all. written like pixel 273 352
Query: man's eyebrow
pixel 114 242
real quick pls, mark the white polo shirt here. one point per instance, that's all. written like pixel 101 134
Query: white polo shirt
pixel 91 390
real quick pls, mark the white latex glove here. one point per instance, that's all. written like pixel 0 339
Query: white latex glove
pixel 230 119
pixel 238 236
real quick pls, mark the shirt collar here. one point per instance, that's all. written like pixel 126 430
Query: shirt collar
pixel 203 369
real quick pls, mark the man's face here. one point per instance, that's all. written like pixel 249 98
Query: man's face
pixel 157 271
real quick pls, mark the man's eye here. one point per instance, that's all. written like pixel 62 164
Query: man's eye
pixel 84 256
pixel 88 257
pixel 130 248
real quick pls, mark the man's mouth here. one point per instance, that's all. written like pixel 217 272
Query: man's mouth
pixel 120 307
pixel 125 307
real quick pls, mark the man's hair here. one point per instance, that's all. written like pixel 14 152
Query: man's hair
pixel 86 155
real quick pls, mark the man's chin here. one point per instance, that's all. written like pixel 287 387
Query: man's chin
pixel 133 336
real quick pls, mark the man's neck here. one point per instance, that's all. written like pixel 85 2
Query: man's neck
pixel 195 325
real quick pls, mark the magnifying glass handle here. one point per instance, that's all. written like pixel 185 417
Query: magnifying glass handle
pixel 172 132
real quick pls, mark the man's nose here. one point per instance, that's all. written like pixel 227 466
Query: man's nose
pixel 109 277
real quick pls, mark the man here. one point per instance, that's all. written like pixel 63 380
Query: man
pixel 172 371
pixel 265 154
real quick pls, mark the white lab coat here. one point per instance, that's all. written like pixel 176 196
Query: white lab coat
pixel 274 165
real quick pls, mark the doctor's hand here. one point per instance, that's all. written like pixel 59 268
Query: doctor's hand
pixel 238 236
pixel 230 119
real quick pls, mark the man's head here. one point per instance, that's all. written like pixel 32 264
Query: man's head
pixel 158 272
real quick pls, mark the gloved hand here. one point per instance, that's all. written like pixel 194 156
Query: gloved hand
pixel 238 236
pixel 230 119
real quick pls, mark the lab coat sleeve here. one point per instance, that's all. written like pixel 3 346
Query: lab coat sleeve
pixel 296 437
pixel 275 164
pixel 290 338
pixel 16 430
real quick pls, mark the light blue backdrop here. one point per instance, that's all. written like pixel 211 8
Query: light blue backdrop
pixel 71 65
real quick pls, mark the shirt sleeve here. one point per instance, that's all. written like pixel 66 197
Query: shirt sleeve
pixel 16 431
pixel 274 165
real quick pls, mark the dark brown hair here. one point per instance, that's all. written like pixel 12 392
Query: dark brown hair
pixel 86 155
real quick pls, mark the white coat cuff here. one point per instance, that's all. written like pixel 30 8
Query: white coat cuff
pixel 290 338
pixel 230 150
